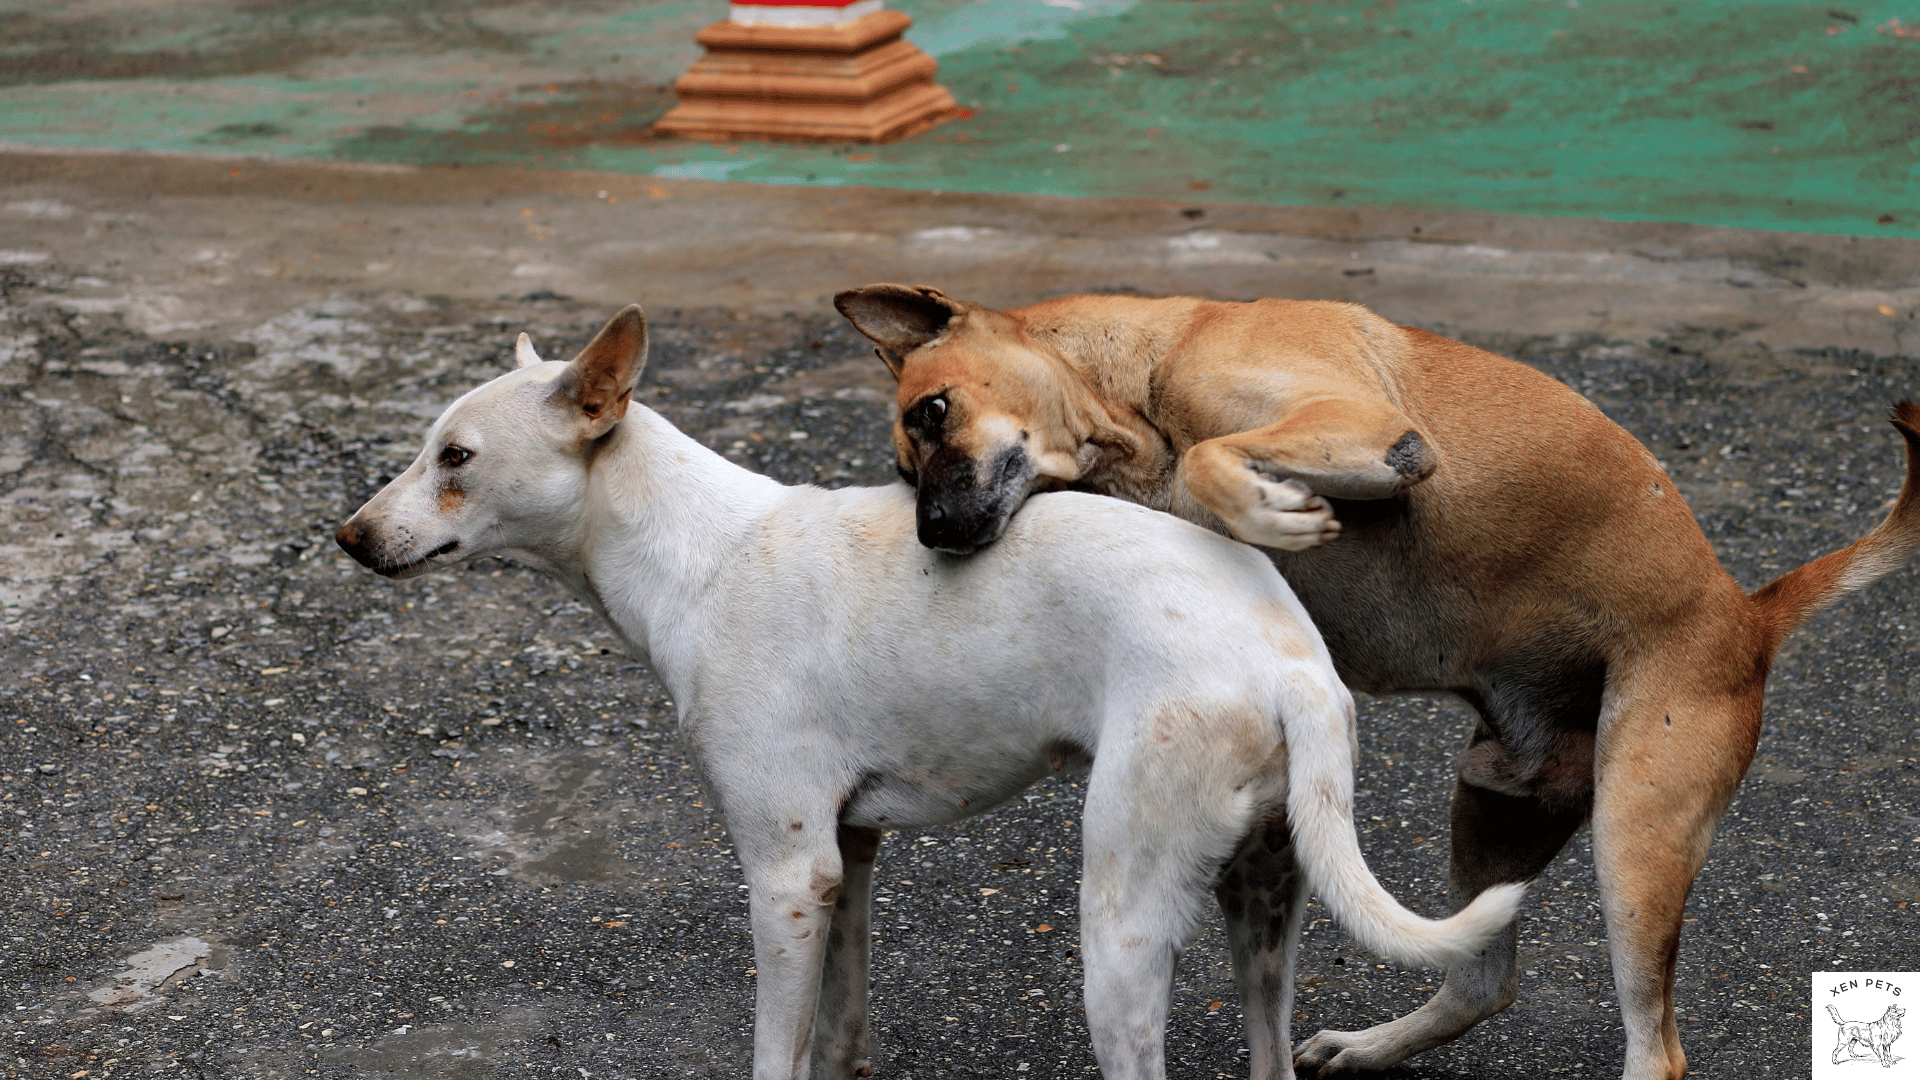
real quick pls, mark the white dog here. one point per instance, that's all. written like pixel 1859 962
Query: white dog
pixel 835 679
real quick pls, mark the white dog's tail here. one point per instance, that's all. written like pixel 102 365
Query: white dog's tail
pixel 1320 810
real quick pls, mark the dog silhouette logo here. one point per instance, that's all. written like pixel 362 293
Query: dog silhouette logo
pixel 1860 1039
pixel 1864 1016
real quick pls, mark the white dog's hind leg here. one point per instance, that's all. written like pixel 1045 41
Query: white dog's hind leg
pixel 1148 862
pixel 1262 894
pixel 840 1030
pixel 793 893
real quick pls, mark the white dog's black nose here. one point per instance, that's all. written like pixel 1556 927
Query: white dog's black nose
pixel 354 542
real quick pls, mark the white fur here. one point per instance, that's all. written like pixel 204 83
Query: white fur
pixel 836 679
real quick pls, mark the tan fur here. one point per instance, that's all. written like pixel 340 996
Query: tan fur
pixel 1525 552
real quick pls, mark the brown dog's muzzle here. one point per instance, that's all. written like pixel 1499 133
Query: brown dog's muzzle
pixel 957 510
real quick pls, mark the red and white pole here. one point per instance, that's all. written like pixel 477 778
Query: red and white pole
pixel 795 13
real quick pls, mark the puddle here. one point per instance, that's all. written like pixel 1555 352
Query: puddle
pixel 439 1051
pixel 148 971
pixel 566 832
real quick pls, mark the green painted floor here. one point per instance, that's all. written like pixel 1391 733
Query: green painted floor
pixel 1765 113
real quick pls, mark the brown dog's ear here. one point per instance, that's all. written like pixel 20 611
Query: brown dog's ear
pixel 899 318
pixel 606 371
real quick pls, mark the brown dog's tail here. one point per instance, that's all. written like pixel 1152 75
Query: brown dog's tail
pixel 1794 596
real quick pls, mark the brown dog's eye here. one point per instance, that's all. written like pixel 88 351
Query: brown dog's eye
pixel 454 456
pixel 926 416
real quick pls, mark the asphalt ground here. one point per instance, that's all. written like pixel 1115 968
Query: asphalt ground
pixel 263 814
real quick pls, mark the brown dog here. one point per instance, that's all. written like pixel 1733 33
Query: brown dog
pixel 1497 537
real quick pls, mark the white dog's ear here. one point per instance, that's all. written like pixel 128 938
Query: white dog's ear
pixel 523 353
pixel 605 373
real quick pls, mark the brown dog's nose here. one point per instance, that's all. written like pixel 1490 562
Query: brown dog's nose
pixel 349 539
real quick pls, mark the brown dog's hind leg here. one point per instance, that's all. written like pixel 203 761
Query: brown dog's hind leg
pixel 1674 768
pixel 1267 484
pixel 840 1029
pixel 1262 894
pixel 1496 838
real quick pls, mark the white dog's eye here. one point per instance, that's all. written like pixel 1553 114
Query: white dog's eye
pixel 454 456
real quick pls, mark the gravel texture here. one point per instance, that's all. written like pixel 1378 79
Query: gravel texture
pixel 263 814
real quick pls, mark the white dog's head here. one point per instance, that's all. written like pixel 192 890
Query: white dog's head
pixel 504 468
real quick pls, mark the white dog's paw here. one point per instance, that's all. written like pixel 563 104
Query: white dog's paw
pixel 1285 514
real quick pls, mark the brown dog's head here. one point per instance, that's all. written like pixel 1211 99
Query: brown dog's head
pixel 987 416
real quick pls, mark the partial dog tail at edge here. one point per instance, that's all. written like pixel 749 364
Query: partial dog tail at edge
pixel 1835 1013
pixel 1320 811
pixel 1790 599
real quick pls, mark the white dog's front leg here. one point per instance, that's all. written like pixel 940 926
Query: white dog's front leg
pixel 792 901
pixel 840 1030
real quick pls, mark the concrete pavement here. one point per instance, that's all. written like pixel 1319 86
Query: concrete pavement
pixel 217 245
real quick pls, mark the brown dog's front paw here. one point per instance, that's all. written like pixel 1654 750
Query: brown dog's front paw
pixel 1286 515
pixel 1340 1053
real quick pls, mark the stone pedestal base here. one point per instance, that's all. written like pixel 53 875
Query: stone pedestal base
pixel 858 81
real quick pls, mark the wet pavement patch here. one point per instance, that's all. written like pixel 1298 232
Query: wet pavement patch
pixel 294 820
pixel 557 119
pixel 442 1051
pixel 151 969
